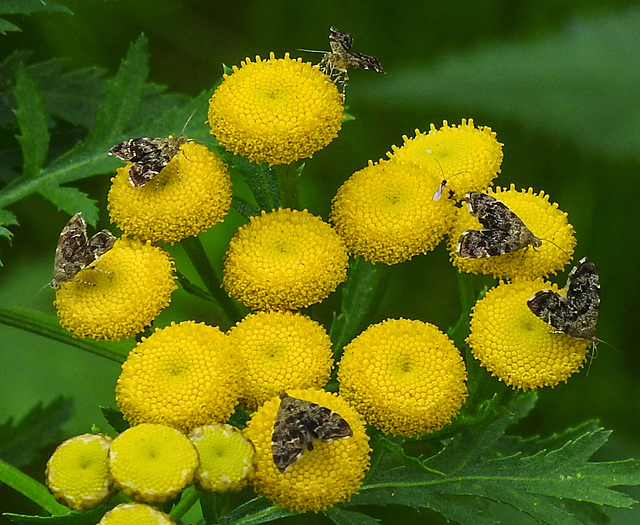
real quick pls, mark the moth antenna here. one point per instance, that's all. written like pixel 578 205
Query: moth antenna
pixel 556 245
pixel 188 120
pixel 438 194
pixel 313 51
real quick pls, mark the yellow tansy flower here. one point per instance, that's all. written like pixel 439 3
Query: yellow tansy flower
pixel 544 219
pixel 386 212
pixel 276 111
pixel 152 462
pixel 226 457
pixel 189 196
pixel 279 351
pixel 121 296
pixel 78 472
pixel 518 347
pixel 406 377
pixel 135 513
pixel 324 476
pixel 284 260
pixel 184 375
pixel 468 158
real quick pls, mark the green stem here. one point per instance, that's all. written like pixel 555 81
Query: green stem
pixel 288 182
pixel 47 326
pixel 361 295
pixel 188 499
pixel 195 251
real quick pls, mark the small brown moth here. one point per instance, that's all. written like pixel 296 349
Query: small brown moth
pixel 298 424
pixel 504 231
pixel 75 251
pixel 149 156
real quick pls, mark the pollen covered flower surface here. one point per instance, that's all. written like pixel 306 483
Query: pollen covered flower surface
pixel 152 462
pixel 386 212
pixel 184 375
pixel 128 288
pixel 518 347
pixel 135 513
pixel 466 157
pixel 406 377
pixel 284 260
pixel 280 351
pixel 276 110
pixel 324 476
pixel 226 457
pixel 545 220
pixel 78 472
pixel 189 196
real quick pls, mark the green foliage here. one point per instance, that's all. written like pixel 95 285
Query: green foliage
pixel 26 7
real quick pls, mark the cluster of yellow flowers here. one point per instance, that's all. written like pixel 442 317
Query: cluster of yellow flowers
pixel 402 376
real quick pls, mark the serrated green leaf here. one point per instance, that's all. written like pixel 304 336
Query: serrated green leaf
pixel 71 201
pixel 341 516
pixel 537 484
pixel 39 428
pixel 255 511
pixel 115 419
pixel 244 208
pixel 553 84
pixel 32 122
pixel 26 7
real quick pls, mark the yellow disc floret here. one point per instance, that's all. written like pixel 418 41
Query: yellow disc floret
pixel 135 513
pixel 386 212
pixel 466 157
pixel 121 296
pixel 78 472
pixel 189 196
pixel 545 220
pixel 324 476
pixel 226 457
pixel 284 260
pixel 279 351
pixel 518 347
pixel 152 462
pixel 184 375
pixel 276 111
pixel 406 377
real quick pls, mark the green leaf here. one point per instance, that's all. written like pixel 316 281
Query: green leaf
pixel 192 289
pixel 90 517
pixel 30 488
pixel 553 83
pixel 341 516
pixel 26 7
pixel 115 419
pixel 255 511
pixel 244 208
pixel 544 485
pixel 71 201
pixel 6 26
pixel 32 121
pixel 39 428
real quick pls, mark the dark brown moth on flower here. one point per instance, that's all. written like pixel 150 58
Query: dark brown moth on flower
pixel 504 231
pixel 298 424
pixel 575 312
pixel 75 251
pixel 149 156
pixel 336 62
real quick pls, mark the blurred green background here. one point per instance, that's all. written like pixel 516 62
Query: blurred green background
pixel 558 82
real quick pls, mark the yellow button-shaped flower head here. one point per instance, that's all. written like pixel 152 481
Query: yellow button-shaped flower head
pixel 406 377
pixel 135 513
pixel 189 196
pixel 152 462
pixel 280 351
pixel 466 157
pixel 545 220
pixel 226 457
pixel 121 296
pixel 328 474
pixel 386 212
pixel 284 260
pixel 184 375
pixel 276 111
pixel 518 347
pixel 78 472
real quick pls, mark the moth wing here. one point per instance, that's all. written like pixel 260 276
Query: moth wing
pixel 101 243
pixel 548 306
pixel 480 244
pixel 140 174
pixel 492 213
